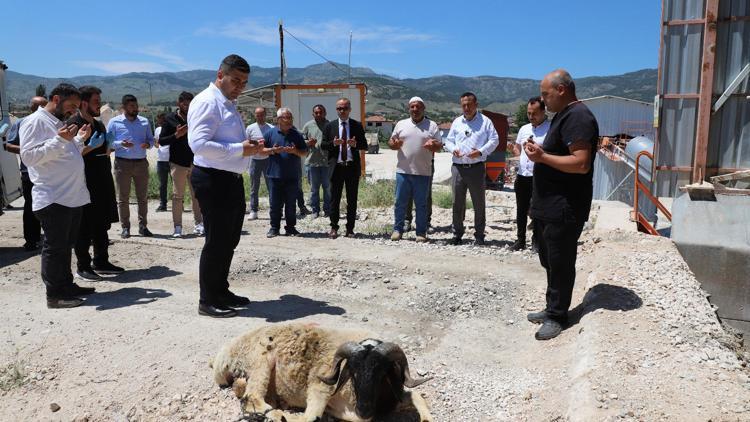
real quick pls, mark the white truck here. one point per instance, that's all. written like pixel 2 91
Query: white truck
pixel 10 176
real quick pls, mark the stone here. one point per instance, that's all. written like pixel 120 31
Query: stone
pixel 54 407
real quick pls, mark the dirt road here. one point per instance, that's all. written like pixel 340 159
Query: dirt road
pixel 645 343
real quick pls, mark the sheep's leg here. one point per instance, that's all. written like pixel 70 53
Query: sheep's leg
pixel 255 392
pixel 315 407
pixel 420 404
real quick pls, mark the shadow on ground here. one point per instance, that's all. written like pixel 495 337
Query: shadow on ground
pixel 10 255
pixel 127 296
pixel 156 272
pixel 289 307
pixel 604 296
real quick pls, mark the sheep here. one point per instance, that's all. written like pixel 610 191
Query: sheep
pixel 349 375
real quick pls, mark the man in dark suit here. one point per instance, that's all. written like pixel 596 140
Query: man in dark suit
pixel 344 138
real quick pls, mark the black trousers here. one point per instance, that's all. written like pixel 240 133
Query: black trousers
pixel 162 169
pixel 344 176
pixel 558 249
pixel 91 233
pixel 60 224
pixel 523 187
pixel 283 193
pixel 221 196
pixel 32 230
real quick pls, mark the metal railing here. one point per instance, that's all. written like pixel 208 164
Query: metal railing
pixel 640 219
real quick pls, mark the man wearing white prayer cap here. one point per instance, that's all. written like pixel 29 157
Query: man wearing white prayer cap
pixel 416 139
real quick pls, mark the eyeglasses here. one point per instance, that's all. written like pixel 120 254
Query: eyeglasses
pixel 342 108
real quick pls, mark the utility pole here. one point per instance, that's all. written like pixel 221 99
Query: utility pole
pixel 350 56
pixel 281 52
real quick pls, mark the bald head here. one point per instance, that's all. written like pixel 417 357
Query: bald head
pixel 558 90
pixel 37 102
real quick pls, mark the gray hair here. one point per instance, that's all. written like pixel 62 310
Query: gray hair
pixel 280 112
pixel 562 77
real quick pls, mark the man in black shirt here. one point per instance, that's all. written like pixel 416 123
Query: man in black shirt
pixel 174 134
pixel 98 215
pixel 563 185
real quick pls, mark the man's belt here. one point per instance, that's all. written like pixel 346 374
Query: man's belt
pixel 218 172
pixel 346 164
pixel 130 159
pixel 466 166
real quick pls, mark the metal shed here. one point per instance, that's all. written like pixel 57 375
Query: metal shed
pixel 703 90
pixel 618 115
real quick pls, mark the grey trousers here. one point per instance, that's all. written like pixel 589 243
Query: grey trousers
pixel 471 178
pixel 257 169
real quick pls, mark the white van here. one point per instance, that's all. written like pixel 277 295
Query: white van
pixel 10 175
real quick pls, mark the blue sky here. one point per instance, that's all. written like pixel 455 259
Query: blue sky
pixel 400 38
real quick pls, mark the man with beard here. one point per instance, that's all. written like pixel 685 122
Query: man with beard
pixel 317 161
pixel 174 135
pixel 52 151
pixel 217 137
pixel 132 138
pixel 99 215
pixel 32 231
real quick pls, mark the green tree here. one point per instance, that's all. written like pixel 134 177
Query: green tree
pixel 41 91
pixel 521 117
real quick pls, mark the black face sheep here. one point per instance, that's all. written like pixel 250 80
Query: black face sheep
pixel 346 374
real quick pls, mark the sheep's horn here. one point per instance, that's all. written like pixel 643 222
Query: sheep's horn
pixel 343 352
pixel 394 353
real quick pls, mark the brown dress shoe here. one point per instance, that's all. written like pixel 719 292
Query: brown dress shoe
pixel 333 234
pixel 350 234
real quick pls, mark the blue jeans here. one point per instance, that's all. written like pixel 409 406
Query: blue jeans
pixel 283 193
pixel 257 169
pixel 411 186
pixel 319 178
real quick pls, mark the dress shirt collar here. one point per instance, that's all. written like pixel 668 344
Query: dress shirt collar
pixel 343 121
pixel 465 120
pixel 50 115
pixel 218 94
pixel 545 122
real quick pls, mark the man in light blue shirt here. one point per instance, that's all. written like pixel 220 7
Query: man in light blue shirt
pixel 132 138
pixel 471 139
pixel 216 134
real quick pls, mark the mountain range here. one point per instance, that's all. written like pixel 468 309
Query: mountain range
pixel 386 94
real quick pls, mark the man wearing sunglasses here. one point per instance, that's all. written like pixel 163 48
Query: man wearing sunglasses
pixel 344 139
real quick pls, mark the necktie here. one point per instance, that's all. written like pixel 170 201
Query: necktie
pixel 344 146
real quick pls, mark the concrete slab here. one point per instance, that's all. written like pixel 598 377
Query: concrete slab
pixel 613 215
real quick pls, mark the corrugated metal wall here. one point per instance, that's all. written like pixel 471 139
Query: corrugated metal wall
pixel 729 138
pixel 614 181
pixel 617 115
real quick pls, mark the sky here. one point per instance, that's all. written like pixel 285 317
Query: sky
pixel 404 39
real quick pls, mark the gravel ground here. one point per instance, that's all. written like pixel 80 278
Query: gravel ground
pixel 645 343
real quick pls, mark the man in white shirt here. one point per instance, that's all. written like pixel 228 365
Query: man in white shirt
pixel 217 137
pixel 535 131
pixel 52 151
pixel 416 140
pixel 162 164
pixel 258 163
pixel 471 139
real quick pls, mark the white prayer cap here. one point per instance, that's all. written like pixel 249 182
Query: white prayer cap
pixel 412 99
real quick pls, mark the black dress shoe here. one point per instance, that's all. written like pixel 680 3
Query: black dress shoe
pixel 216 311
pixel 537 317
pixel 64 302
pixel 31 246
pixel 549 330
pixel 272 233
pixel 292 232
pixel 89 275
pixel 455 240
pixel 161 208
pixel 333 234
pixel 231 300
pixel 350 234
pixel 479 241
pixel 145 232
pixel 76 290
pixel 108 268
pixel 518 245
pixel 125 233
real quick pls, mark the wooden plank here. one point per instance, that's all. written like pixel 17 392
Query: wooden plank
pixel 706 92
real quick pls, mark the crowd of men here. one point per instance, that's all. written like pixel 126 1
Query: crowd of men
pixel 205 147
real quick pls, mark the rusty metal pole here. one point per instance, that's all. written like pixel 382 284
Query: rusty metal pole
pixel 700 154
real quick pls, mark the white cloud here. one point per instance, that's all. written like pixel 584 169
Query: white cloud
pixel 120 67
pixel 327 37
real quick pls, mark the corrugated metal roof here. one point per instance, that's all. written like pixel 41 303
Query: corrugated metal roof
pixel 618 115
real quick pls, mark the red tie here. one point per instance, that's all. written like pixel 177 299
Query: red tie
pixel 344 146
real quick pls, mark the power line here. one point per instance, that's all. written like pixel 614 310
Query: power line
pixel 313 50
